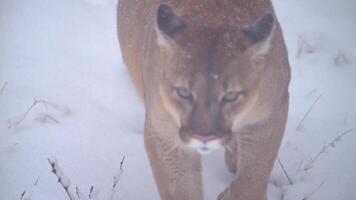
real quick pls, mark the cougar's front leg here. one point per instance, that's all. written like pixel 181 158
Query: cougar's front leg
pixel 176 169
pixel 257 150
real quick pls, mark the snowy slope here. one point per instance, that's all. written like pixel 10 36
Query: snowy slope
pixel 65 55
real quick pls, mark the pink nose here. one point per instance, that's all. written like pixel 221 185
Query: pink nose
pixel 204 139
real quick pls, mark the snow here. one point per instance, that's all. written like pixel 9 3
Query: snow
pixel 64 55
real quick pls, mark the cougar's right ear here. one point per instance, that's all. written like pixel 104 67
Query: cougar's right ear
pixel 168 24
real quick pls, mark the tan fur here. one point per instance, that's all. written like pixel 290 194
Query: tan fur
pixel 254 124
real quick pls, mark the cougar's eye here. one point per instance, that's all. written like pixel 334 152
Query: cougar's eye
pixel 184 93
pixel 231 96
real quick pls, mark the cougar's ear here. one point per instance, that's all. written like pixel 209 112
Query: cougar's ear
pixel 260 34
pixel 168 24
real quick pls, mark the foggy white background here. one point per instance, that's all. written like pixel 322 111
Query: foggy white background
pixel 65 54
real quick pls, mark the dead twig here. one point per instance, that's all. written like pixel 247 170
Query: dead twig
pixel 299 127
pixel 3 88
pixel 307 196
pixel 300 164
pixel 9 123
pixel 23 194
pixel 285 171
pixel 62 179
pixel 79 194
pixel 91 191
pixel 309 94
pixel 340 59
pixel 37 181
pixel 23 117
pixel 304 47
pixel 117 179
pixel 323 150
pixel 46 118
pixel 29 196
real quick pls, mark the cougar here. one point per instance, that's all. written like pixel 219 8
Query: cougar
pixel 211 74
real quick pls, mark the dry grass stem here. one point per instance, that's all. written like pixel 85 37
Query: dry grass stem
pixel 23 116
pixel 91 191
pixel 300 164
pixel 285 171
pixel 340 59
pixel 304 47
pixel 330 144
pixel 46 118
pixel 28 195
pixel 310 94
pixel 307 196
pixel 117 179
pixel 23 194
pixel 64 181
pixel 3 88
pixel 299 127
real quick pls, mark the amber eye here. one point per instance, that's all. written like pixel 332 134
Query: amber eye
pixel 231 96
pixel 184 93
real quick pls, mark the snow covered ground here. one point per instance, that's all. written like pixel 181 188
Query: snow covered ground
pixel 65 93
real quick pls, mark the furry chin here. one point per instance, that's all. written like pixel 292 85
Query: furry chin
pixel 204 151
pixel 205 148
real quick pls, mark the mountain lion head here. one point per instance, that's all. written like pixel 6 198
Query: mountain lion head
pixel 210 72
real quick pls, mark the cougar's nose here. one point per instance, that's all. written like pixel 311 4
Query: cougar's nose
pixel 204 138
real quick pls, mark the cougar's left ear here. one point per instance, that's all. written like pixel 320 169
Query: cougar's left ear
pixel 167 24
pixel 260 35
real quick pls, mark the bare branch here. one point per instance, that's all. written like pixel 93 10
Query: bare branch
pixel 47 119
pixel 37 181
pixel 300 164
pixel 3 88
pixel 340 59
pixel 330 144
pixel 299 127
pixel 44 118
pixel 91 192
pixel 117 179
pixel 9 123
pixel 310 94
pixel 23 194
pixel 62 179
pixel 77 192
pixel 307 196
pixel 29 194
pixel 285 171
pixel 23 117
pixel 122 163
pixel 304 47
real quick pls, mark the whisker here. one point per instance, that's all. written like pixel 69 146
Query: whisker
pixel 160 121
pixel 160 136
pixel 162 129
